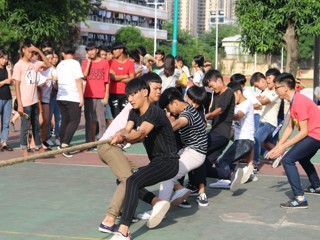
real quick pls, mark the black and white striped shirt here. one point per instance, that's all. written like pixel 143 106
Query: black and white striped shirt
pixel 194 134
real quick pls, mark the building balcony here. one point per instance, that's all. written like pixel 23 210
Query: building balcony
pixel 133 9
pixel 111 29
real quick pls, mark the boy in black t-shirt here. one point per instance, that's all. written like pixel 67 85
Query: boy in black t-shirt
pixel 221 114
pixel 147 123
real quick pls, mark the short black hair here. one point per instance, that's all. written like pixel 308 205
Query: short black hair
pixel 179 58
pixel 105 48
pixel 211 75
pixel 197 94
pixel 142 50
pixel 120 45
pixel 151 77
pixel 238 77
pixel 68 49
pixel 27 43
pixel 235 86
pixel 286 78
pixel 168 96
pixel 256 77
pixel 159 51
pixel 134 54
pixel 136 85
pixel 3 53
pixel 199 59
pixel 90 46
pixel 272 71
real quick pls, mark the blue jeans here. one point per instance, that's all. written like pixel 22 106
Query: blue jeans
pixel 54 111
pixel 5 112
pixel 301 152
pixel 263 134
pixel 33 112
pixel 224 166
pixel 256 117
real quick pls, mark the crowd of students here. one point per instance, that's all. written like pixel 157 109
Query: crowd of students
pixel 134 97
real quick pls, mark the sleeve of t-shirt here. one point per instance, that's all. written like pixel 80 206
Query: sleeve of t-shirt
pixel 155 117
pixel 188 116
pixel 248 93
pixel 84 65
pixel 302 114
pixel 106 72
pixel 272 96
pixel 244 107
pixel 16 72
pixel 77 70
pixel 131 67
pixel 132 116
pixel 197 78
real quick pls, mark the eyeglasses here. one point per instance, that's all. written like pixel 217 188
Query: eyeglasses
pixel 278 87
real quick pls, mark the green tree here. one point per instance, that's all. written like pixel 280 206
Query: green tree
pixel 268 25
pixel 306 43
pixel 41 20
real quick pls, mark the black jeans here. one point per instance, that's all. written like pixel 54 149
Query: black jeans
pixel 70 119
pixel 117 103
pixel 33 113
pixel 224 166
pixel 157 171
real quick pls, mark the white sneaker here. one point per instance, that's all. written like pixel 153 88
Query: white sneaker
pixel 277 161
pixel 179 196
pixel 236 180
pixel 127 146
pixel 119 236
pixel 247 171
pixel 145 215
pixel 57 142
pixel 253 177
pixel 223 183
pixel 159 210
pixel 50 143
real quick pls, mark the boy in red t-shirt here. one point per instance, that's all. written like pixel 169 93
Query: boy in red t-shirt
pixel 96 93
pixel 121 72
pixel 304 115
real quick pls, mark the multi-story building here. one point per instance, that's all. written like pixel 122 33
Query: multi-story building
pixel 108 16
pixel 198 16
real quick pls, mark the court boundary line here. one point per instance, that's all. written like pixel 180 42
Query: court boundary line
pixel 48 235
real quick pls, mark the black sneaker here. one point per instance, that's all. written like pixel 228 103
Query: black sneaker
pixel 106 229
pixel 185 204
pixel 194 190
pixel 295 203
pixel 256 169
pixel 312 190
pixel 202 200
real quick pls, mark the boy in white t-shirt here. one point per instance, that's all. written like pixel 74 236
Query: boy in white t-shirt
pixel 269 116
pixel 240 148
pixel 70 95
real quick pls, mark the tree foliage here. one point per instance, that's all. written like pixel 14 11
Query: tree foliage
pixel 269 25
pixel 41 20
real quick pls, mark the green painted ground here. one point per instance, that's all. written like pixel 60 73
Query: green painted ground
pixel 43 202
